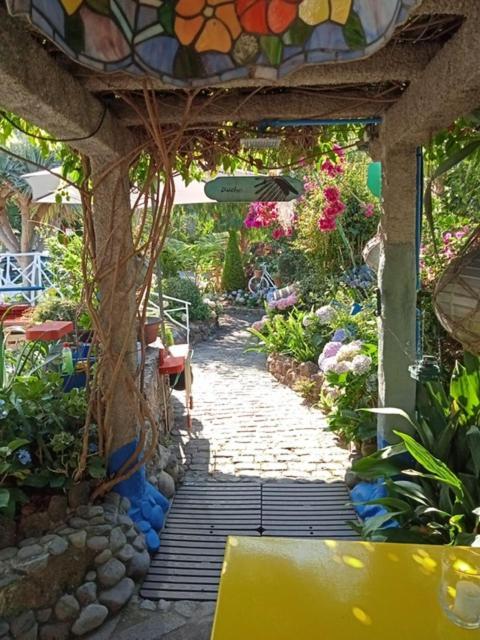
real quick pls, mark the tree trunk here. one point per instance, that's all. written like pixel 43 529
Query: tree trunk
pixel 7 236
pixel 115 267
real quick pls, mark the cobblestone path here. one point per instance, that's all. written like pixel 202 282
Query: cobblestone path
pixel 246 424
pixel 246 427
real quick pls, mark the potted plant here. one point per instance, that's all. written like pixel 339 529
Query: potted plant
pixel 150 329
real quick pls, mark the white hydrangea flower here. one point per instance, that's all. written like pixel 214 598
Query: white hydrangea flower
pixel 325 314
pixel 361 364
pixel 342 367
pixel 331 365
pixel 349 351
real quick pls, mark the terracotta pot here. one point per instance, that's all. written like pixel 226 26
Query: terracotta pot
pixel 151 328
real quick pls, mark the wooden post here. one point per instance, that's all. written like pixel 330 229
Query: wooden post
pixel 116 283
pixel 397 284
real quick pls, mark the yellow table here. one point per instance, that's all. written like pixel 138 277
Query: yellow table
pixel 284 589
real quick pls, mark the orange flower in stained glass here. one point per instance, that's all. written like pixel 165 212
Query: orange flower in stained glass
pixel 266 17
pixel 210 25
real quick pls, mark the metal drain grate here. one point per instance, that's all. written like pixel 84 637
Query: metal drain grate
pixel 189 563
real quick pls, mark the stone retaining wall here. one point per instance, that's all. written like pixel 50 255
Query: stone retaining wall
pixel 291 372
pixel 68 582
pixel 81 562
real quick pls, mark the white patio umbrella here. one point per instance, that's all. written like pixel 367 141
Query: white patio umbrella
pixel 48 188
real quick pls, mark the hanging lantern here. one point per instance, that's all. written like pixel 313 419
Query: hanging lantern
pixel 457 297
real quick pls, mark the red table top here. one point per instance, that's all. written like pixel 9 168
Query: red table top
pixel 48 331
pixel 171 364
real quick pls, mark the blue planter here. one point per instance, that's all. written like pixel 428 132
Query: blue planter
pixel 75 381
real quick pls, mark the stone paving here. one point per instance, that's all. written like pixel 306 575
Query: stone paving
pixel 246 427
pixel 246 424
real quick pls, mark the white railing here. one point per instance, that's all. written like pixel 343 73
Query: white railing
pixel 27 275
pixel 178 314
pixel 23 274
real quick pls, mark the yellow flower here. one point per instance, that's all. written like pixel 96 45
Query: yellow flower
pixel 71 6
pixel 315 12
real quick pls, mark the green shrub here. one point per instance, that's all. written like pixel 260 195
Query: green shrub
pixel 233 277
pixel 434 492
pixel 185 289
pixel 54 308
pixel 41 437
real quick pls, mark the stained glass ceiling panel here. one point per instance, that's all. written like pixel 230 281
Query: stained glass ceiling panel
pixel 201 42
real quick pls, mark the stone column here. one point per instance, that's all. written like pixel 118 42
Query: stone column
pixel 116 285
pixel 397 284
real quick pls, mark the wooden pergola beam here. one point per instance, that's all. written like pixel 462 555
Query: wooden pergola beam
pixel 35 87
pixel 233 107
pixel 395 62
pixel 448 88
pixel 446 7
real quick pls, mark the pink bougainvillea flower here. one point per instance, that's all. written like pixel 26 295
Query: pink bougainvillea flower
pixel 332 169
pixel 332 194
pixel 309 185
pixel 266 17
pixel 339 151
pixel 369 210
pixel 334 209
pixel 327 224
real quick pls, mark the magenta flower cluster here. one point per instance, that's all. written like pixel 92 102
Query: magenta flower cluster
pixel 334 206
pixel 261 214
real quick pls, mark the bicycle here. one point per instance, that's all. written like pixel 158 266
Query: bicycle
pixel 261 284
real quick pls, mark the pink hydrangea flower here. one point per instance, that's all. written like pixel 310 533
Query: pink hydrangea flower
pixel 331 349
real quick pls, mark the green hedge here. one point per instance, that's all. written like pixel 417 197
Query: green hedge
pixel 185 289
pixel 233 277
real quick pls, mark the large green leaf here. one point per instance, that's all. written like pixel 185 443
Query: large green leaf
pixel 377 522
pixel 437 468
pixel 393 503
pixel 465 392
pixel 378 464
pixel 411 490
pixel 473 439
pixel 13 445
pixel 4 498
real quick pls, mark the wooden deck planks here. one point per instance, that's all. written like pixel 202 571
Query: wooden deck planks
pixel 188 564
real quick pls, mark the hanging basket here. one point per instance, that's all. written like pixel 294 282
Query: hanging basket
pixel 371 252
pixel 457 297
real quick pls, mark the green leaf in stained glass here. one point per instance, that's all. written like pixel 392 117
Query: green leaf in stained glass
pixel 74 33
pixel 298 33
pixel 273 49
pixel 100 6
pixel 166 18
pixel 354 33
pixel 188 64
